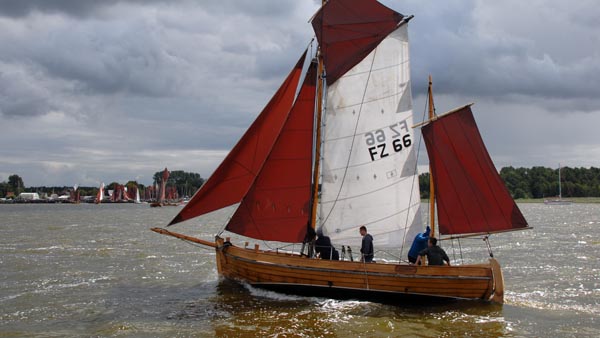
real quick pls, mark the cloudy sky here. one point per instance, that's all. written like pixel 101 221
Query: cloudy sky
pixel 111 90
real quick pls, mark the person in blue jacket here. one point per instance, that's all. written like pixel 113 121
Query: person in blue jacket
pixel 419 243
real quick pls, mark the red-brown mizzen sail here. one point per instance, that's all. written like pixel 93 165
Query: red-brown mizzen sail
pixel 471 197
pixel 234 177
pixel 348 30
pixel 277 206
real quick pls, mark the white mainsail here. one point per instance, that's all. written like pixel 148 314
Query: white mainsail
pixel 100 195
pixel 369 174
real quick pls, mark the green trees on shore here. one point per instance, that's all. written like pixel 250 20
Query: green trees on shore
pixel 541 182
pixel 186 184
pixel 14 185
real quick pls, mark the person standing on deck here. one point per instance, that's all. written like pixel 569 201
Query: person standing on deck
pixel 418 244
pixel 324 247
pixel 366 250
pixel 435 254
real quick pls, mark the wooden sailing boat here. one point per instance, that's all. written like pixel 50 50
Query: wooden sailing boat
pixel 161 199
pixel 559 200
pixel 288 175
pixel 137 196
pixel 100 194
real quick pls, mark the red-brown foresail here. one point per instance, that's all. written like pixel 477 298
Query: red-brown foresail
pixel 234 177
pixel 277 205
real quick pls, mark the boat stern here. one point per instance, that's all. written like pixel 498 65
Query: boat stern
pixel 220 246
pixel 497 295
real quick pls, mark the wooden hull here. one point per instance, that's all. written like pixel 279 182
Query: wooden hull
pixel 292 273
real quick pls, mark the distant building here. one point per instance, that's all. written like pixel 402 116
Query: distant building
pixel 29 196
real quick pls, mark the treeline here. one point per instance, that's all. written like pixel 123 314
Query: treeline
pixel 185 183
pixel 541 182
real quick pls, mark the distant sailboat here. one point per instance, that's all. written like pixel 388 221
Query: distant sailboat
pixel 75 197
pixel 162 194
pixel 137 195
pixel 558 200
pixel 100 195
pixel 357 161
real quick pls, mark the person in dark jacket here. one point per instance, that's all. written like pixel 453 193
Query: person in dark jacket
pixel 324 248
pixel 435 254
pixel 418 244
pixel 366 250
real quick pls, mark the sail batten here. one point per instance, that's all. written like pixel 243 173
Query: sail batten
pixel 471 197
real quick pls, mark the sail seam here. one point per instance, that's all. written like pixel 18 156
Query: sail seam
pixel 396 65
pixel 405 210
pixel 366 193
pixel 354 137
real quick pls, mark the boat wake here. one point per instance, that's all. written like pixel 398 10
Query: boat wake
pixel 527 300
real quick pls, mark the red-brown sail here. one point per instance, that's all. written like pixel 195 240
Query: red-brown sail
pixel 277 206
pixel 163 184
pixel 232 179
pixel 348 30
pixel 471 197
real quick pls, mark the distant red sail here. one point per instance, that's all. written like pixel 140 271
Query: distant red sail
pixel 277 207
pixel 165 174
pixel 471 196
pixel 163 185
pixel 348 30
pixel 234 177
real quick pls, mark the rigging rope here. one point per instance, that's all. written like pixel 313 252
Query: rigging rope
pixel 414 177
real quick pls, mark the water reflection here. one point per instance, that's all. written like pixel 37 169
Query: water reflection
pixel 237 310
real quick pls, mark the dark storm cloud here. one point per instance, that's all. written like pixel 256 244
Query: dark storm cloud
pixel 23 8
pixel 509 50
pixel 86 8
pixel 112 90
pixel 260 8
pixel 76 8
pixel 28 108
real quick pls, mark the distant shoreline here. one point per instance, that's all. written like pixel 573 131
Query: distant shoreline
pixel 521 200
pixel 569 199
pixel 541 200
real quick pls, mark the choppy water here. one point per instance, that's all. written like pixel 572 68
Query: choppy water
pixel 96 270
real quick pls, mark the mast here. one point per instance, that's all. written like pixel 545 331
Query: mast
pixel 431 185
pixel 559 187
pixel 319 108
